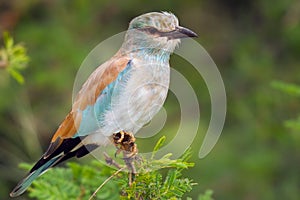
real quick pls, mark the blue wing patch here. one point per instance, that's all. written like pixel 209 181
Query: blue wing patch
pixel 93 115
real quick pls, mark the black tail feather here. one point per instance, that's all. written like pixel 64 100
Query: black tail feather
pixel 80 152
pixel 65 148
pixel 62 153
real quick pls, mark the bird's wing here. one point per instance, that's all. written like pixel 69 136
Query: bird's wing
pixel 65 142
pixel 90 91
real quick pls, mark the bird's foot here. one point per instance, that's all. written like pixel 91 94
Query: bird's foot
pixel 125 142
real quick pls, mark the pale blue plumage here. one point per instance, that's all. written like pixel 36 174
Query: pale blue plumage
pixel 112 111
pixel 26 182
pixel 93 115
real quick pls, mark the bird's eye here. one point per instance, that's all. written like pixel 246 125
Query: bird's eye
pixel 152 30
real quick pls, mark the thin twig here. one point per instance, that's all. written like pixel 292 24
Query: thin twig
pixel 114 174
pixel 110 161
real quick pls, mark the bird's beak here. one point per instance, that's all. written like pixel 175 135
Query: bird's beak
pixel 180 32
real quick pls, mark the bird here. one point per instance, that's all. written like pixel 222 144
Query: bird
pixel 121 95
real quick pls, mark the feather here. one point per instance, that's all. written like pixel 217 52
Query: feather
pixel 69 148
pixel 63 144
pixel 92 88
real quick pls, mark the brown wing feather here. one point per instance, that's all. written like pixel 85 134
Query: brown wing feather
pixel 91 89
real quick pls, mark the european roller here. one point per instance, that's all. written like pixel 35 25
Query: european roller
pixel 120 96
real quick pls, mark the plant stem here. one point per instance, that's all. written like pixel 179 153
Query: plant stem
pixel 114 174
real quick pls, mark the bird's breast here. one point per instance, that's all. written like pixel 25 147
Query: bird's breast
pixel 138 97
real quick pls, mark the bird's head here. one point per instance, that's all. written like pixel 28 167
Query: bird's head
pixel 156 30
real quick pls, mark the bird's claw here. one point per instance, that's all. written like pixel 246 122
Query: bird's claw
pixel 125 142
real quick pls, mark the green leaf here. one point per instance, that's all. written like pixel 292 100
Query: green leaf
pixel 25 166
pixel 170 179
pixel 187 155
pixel 158 145
pixel 288 88
pixel 206 196
pixel 293 124
pixel 8 40
pixel 16 75
pixel 13 58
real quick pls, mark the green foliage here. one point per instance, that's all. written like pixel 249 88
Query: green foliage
pixel 206 196
pixel 288 88
pixel 74 182
pixel 293 90
pixel 152 184
pixel 156 179
pixel 13 58
pixel 293 124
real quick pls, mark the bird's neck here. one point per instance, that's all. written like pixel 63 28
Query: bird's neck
pixel 147 54
pixel 153 55
pixel 144 48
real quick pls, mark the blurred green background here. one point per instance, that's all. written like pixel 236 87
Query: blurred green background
pixel 252 42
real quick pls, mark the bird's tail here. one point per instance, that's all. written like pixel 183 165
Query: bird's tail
pixel 26 182
pixel 69 148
